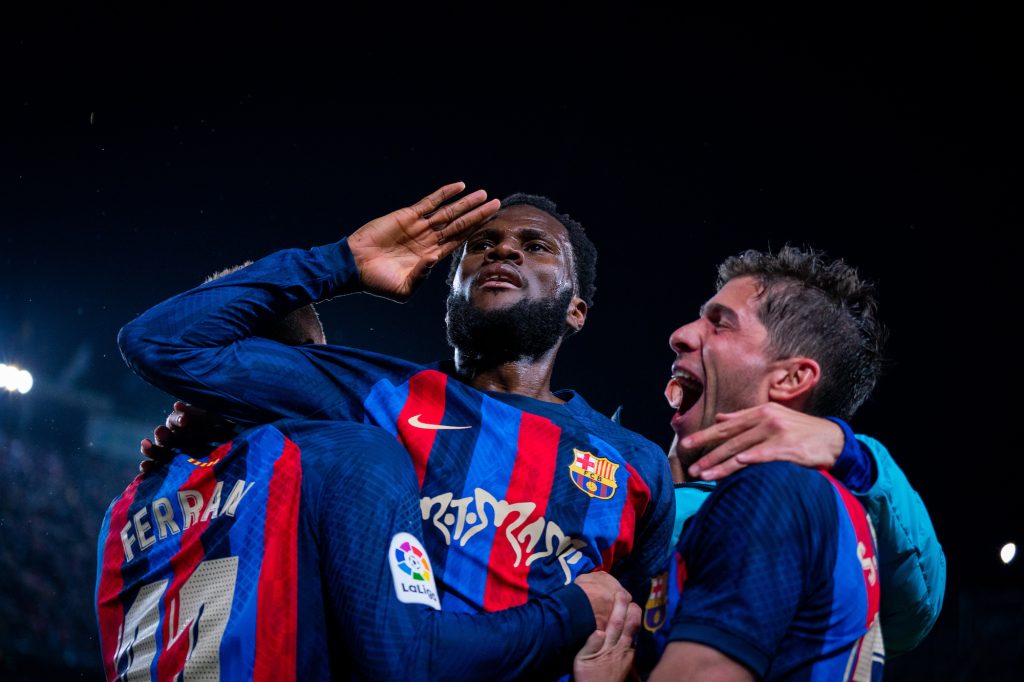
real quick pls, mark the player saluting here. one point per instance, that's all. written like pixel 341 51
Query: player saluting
pixel 522 488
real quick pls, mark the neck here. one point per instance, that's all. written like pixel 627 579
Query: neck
pixel 529 376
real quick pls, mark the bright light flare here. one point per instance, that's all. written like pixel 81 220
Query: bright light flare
pixel 14 379
pixel 1008 552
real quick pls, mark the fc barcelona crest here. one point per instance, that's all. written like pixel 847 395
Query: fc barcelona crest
pixel 657 602
pixel 593 475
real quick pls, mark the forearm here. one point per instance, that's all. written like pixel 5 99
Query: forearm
pixel 542 635
pixel 198 345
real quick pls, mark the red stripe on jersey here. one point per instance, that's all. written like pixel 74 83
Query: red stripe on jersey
pixel 865 538
pixel 425 404
pixel 531 480
pixel 108 604
pixel 183 564
pixel 277 617
pixel 637 498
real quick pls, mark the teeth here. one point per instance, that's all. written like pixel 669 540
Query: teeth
pixel 683 375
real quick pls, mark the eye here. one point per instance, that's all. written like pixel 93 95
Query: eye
pixel 479 245
pixel 537 246
pixel 718 322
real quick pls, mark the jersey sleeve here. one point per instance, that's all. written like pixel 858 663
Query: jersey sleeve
pixel 378 580
pixel 746 557
pixel 653 545
pixel 199 345
pixel 912 565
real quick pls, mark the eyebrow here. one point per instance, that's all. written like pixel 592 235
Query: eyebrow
pixel 525 234
pixel 721 310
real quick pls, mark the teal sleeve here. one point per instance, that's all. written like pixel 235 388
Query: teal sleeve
pixel 912 566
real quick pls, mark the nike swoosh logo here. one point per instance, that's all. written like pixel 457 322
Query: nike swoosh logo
pixel 415 421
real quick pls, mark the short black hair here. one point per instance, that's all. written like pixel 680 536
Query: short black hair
pixel 584 253
pixel 820 309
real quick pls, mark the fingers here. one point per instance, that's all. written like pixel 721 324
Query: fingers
pixel 163 437
pixel 449 212
pixel 617 619
pixel 154 452
pixel 727 426
pixel 454 233
pixel 429 203
pixel 721 461
pixel 633 614
pixel 594 643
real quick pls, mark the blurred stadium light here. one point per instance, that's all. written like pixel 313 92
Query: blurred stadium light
pixel 14 379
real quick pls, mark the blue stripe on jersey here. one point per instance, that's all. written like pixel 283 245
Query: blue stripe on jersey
pixel 384 404
pixel 449 464
pixel 238 651
pixel 606 515
pixel 159 555
pixel 494 456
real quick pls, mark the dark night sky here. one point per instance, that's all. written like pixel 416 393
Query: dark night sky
pixel 139 152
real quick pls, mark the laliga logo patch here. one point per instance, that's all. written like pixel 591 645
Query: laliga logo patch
pixel 410 569
pixel 593 475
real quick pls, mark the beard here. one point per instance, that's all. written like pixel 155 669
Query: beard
pixel 526 329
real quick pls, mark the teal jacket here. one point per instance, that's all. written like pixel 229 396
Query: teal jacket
pixel 912 566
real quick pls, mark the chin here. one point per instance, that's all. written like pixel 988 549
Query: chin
pixel 682 424
pixel 495 299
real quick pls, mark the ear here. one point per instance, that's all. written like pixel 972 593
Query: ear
pixel 576 315
pixel 792 381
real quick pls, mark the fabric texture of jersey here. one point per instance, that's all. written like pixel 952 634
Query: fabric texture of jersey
pixel 911 566
pixel 518 495
pixel 269 560
pixel 779 573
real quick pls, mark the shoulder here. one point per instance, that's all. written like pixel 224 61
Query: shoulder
pixel 632 444
pixel 349 451
pixel 774 494
pixel 775 476
pixel 334 438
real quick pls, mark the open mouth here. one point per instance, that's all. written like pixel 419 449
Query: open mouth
pixel 499 277
pixel 683 391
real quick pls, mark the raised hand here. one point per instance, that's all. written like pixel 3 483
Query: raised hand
pixel 765 433
pixel 395 252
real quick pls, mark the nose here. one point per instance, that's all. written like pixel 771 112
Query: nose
pixel 686 339
pixel 506 250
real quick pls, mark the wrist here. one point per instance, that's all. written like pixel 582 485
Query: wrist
pixel 854 467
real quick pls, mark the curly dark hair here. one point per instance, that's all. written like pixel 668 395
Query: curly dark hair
pixel 584 253
pixel 821 309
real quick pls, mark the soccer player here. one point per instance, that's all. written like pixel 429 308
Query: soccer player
pixel 522 489
pixel 779 564
pixel 295 552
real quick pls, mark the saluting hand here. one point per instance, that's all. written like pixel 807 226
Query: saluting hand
pixel 394 253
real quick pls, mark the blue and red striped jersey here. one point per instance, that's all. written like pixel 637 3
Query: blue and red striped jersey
pixel 778 571
pixel 295 552
pixel 518 496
